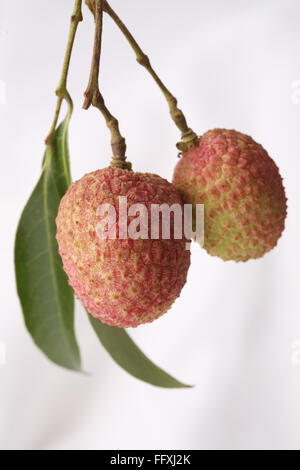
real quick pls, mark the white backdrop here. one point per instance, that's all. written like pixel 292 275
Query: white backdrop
pixel 234 330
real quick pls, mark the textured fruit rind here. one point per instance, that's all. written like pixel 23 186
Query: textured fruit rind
pixel 122 282
pixel 242 192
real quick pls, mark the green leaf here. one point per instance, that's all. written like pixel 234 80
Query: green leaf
pixel 125 353
pixel 46 298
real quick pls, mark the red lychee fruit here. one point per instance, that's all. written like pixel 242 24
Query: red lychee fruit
pixel 242 192
pixel 122 282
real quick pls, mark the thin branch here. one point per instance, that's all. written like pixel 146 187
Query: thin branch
pixel 91 5
pixel 94 97
pixel 189 138
pixel 61 91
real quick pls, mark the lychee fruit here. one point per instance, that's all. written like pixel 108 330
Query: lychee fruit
pixel 242 192
pixel 123 282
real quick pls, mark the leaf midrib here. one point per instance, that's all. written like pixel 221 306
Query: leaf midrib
pixel 47 168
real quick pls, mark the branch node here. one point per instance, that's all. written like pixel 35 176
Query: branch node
pixel 143 60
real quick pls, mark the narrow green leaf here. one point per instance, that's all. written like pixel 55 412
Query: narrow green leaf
pixel 127 355
pixel 46 298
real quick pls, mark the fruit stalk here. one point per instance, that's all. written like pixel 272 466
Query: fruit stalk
pixel 61 91
pixel 188 136
pixel 94 97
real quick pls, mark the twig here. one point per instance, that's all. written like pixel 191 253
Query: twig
pixel 61 91
pixel 94 97
pixel 189 138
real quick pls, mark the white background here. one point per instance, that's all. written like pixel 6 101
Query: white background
pixel 234 330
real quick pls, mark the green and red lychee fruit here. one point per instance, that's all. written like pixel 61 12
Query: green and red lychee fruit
pixel 122 282
pixel 242 192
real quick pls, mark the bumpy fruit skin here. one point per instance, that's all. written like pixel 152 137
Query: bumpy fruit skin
pixel 122 282
pixel 242 192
